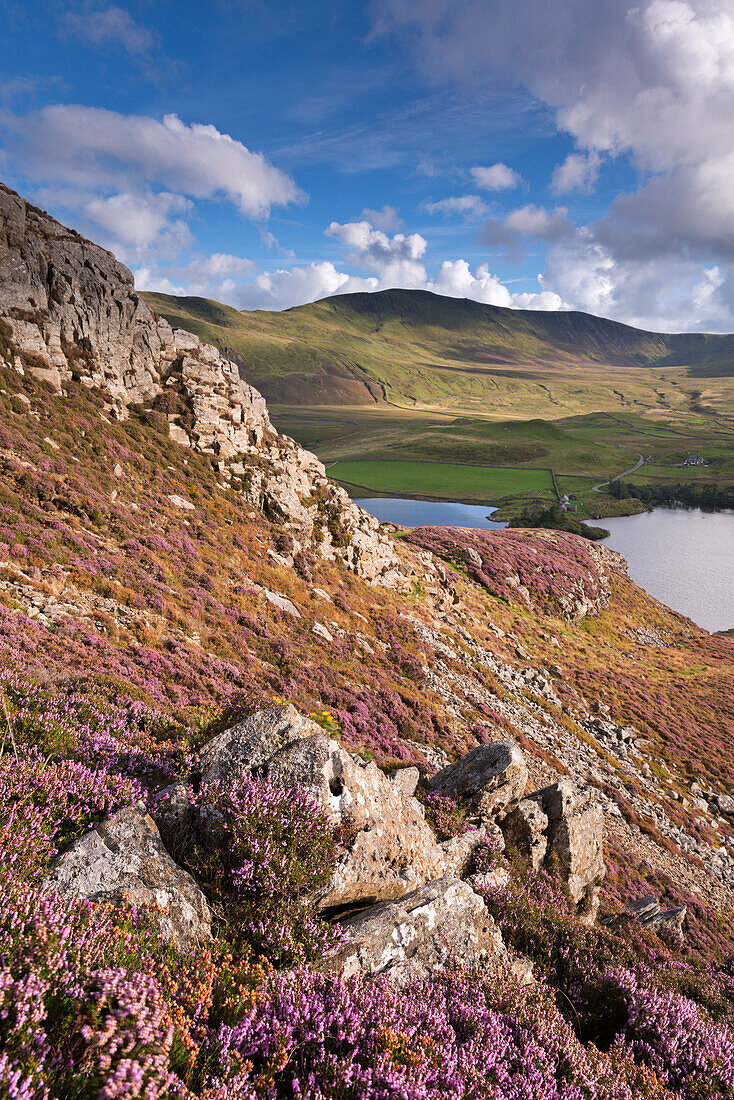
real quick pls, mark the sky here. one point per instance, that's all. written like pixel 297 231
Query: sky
pixel 540 154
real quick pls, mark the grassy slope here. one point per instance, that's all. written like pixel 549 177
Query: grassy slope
pixel 419 349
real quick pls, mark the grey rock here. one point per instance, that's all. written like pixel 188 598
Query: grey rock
pixel 525 829
pixel 406 780
pixel 252 742
pixel 490 779
pixel 123 863
pixel 421 932
pixel 725 802
pixel 575 839
pixel 388 848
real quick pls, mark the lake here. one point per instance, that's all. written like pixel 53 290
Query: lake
pixel 682 556
pixel 428 513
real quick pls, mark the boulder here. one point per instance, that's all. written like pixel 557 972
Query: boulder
pixel 490 779
pixel 421 932
pixel 123 862
pixel 459 851
pixel 525 829
pixel 575 841
pixel 388 847
pixel 251 743
pixel 406 780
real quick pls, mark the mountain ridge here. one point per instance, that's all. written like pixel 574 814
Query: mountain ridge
pixel 416 347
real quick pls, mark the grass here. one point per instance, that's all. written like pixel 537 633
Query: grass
pixel 443 479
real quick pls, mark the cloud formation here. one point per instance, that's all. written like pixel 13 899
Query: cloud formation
pixel 496 177
pixel 89 146
pixel 464 205
pixel 110 25
pixel 652 82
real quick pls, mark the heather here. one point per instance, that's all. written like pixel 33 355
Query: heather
pixel 132 630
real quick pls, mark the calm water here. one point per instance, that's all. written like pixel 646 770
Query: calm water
pixel 682 556
pixel 428 513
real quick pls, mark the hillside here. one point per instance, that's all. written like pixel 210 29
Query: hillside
pixel 292 804
pixel 414 348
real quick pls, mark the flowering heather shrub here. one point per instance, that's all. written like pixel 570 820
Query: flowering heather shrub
pixel 45 804
pixel 268 851
pixel 556 569
pixel 460 1034
pixel 671 1034
pixel 444 814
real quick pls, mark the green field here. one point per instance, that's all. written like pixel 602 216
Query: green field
pixel 442 480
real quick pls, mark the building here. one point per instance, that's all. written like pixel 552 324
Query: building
pixel 694 460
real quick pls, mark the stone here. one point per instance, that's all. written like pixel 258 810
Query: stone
pixel 122 862
pixel 181 502
pixel 575 840
pixel 322 632
pixel 459 850
pixel 421 932
pixel 406 780
pixel 725 803
pixel 525 829
pixel 490 779
pixel 388 848
pixel 252 742
pixel 278 600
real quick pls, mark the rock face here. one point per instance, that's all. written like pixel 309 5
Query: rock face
pixel 72 314
pixel 489 779
pixel 389 849
pixel 562 823
pixel 420 932
pixel 123 862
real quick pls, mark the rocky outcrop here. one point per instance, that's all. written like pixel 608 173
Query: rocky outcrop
pixel 123 863
pixel 423 931
pixel 69 312
pixel 388 847
pixel 561 825
pixel 489 779
pixel 650 914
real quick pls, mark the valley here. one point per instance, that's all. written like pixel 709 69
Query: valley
pixel 406 393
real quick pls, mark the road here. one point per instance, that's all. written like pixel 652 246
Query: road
pixel 640 462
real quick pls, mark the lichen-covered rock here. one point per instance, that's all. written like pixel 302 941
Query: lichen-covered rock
pixel 490 779
pixel 388 848
pixel 525 830
pixel 459 850
pixel 575 839
pixel 252 742
pixel 123 862
pixel 419 933
pixel 406 780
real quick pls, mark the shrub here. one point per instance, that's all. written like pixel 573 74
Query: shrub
pixel 267 852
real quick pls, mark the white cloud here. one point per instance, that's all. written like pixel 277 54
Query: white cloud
pixel 387 219
pixel 524 222
pixel 466 205
pixel 141 220
pixel 91 147
pixel 579 172
pixel 652 80
pixel 496 177
pixel 109 25
pixel 397 260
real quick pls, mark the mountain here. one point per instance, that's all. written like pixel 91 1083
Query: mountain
pixel 414 347
pixel 295 804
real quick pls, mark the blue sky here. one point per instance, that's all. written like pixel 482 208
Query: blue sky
pixel 542 155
